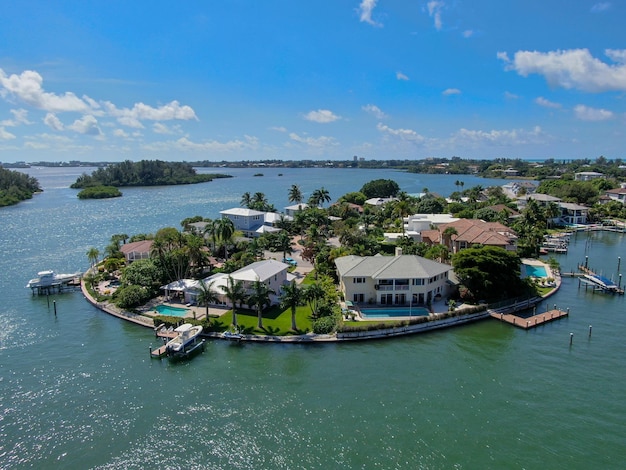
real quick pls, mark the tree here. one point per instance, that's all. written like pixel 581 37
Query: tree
pixel 92 255
pixel 292 296
pixel 260 298
pixel 380 188
pixel 246 200
pixel 235 292
pixel 224 231
pixel 319 197
pixel 489 272
pixel 314 294
pixel 207 295
pixel 295 194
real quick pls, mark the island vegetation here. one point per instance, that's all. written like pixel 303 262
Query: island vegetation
pixel 144 173
pixel 16 186
pixel 99 192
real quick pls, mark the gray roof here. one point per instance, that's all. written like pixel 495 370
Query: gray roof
pixel 261 270
pixel 389 267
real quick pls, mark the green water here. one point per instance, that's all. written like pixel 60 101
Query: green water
pixel 78 389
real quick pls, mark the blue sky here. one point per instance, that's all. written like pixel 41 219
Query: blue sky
pixel 251 80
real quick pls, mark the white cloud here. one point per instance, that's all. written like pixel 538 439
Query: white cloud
pixel 53 122
pixel 510 96
pixel 132 117
pixel 541 101
pixel 451 91
pixel 403 134
pixel 121 133
pixel 584 113
pixel 468 33
pixel 27 88
pixel 321 116
pixel 185 144
pixel 401 76
pixel 600 7
pixel 86 125
pixel 374 111
pixel 20 116
pixel 160 128
pixel 434 8
pixel 278 128
pixel 5 135
pixel 499 137
pixel 616 55
pixel 318 142
pixel 575 68
pixel 365 10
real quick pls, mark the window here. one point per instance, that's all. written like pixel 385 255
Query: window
pixel 418 282
pixel 358 298
pixel 358 280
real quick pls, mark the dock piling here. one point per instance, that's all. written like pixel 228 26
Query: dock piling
pixel 54 302
pixel 590 328
pixel 571 338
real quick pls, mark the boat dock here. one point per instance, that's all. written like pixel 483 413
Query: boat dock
pixel 598 282
pixel 530 322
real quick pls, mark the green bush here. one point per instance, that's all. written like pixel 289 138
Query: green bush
pixel 325 325
pixel 131 296
pixel 99 192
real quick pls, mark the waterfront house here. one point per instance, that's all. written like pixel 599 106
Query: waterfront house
pixel 251 222
pixel 618 194
pixel 136 250
pixel 291 211
pixel 472 232
pixel 399 280
pixel 587 175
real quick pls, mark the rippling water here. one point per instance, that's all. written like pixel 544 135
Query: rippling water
pixel 79 390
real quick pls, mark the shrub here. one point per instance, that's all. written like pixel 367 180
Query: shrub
pixel 325 325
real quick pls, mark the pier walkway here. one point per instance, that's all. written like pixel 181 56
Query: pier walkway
pixel 530 322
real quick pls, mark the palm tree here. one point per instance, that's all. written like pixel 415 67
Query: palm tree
pixel 260 298
pixel 319 197
pixel 225 229
pixel 207 296
pixel 446 236
pixel 295 195
pixel 235 292
pixel 93 254
pixel 246 200
pixel 285 243
pixel 292 296
pixel 313 294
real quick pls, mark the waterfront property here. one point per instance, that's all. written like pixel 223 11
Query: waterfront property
pixel 251 222
pixel 400 280
pixel 136 250
pixel 472 232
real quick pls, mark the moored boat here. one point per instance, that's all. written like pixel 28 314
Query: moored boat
pixel 187 338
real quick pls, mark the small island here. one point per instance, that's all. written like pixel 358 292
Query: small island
pixel 144 173
pixel 16 186
pixel 99 192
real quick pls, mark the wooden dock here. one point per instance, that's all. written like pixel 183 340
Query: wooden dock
pixel 530 322
pixel 158 353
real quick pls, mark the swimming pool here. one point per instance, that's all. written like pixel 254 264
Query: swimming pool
pixel 171 311
pixel 394 312
pixel 535 271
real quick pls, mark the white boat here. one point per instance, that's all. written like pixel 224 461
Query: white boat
pixel 50 278
pixel 233 336
pixel 186 338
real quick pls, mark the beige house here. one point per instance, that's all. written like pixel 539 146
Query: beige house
pixel 392 280
pixel 471 232
pixel 136 250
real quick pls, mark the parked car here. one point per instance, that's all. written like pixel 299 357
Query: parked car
pixel 290 261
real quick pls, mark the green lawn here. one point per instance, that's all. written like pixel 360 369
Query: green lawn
pixel 275 321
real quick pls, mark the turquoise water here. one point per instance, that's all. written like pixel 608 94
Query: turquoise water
pixel 393 312
pixel 79 390
pixel 535 271
pixel 171 311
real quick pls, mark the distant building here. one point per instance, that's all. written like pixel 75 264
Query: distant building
pixel 472 232
pixel 136 250
pixel 587 175
pixel 618 194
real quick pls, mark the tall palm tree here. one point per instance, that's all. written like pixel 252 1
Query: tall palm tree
pixel 207 295
pixel 313 294
pixel 246 200
pixel 260 298
pixel 225 229
pixel 446 236
pixel 295 195
pixel 319 197
pixel 236 293
pixel 292 296
pixel 93 254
